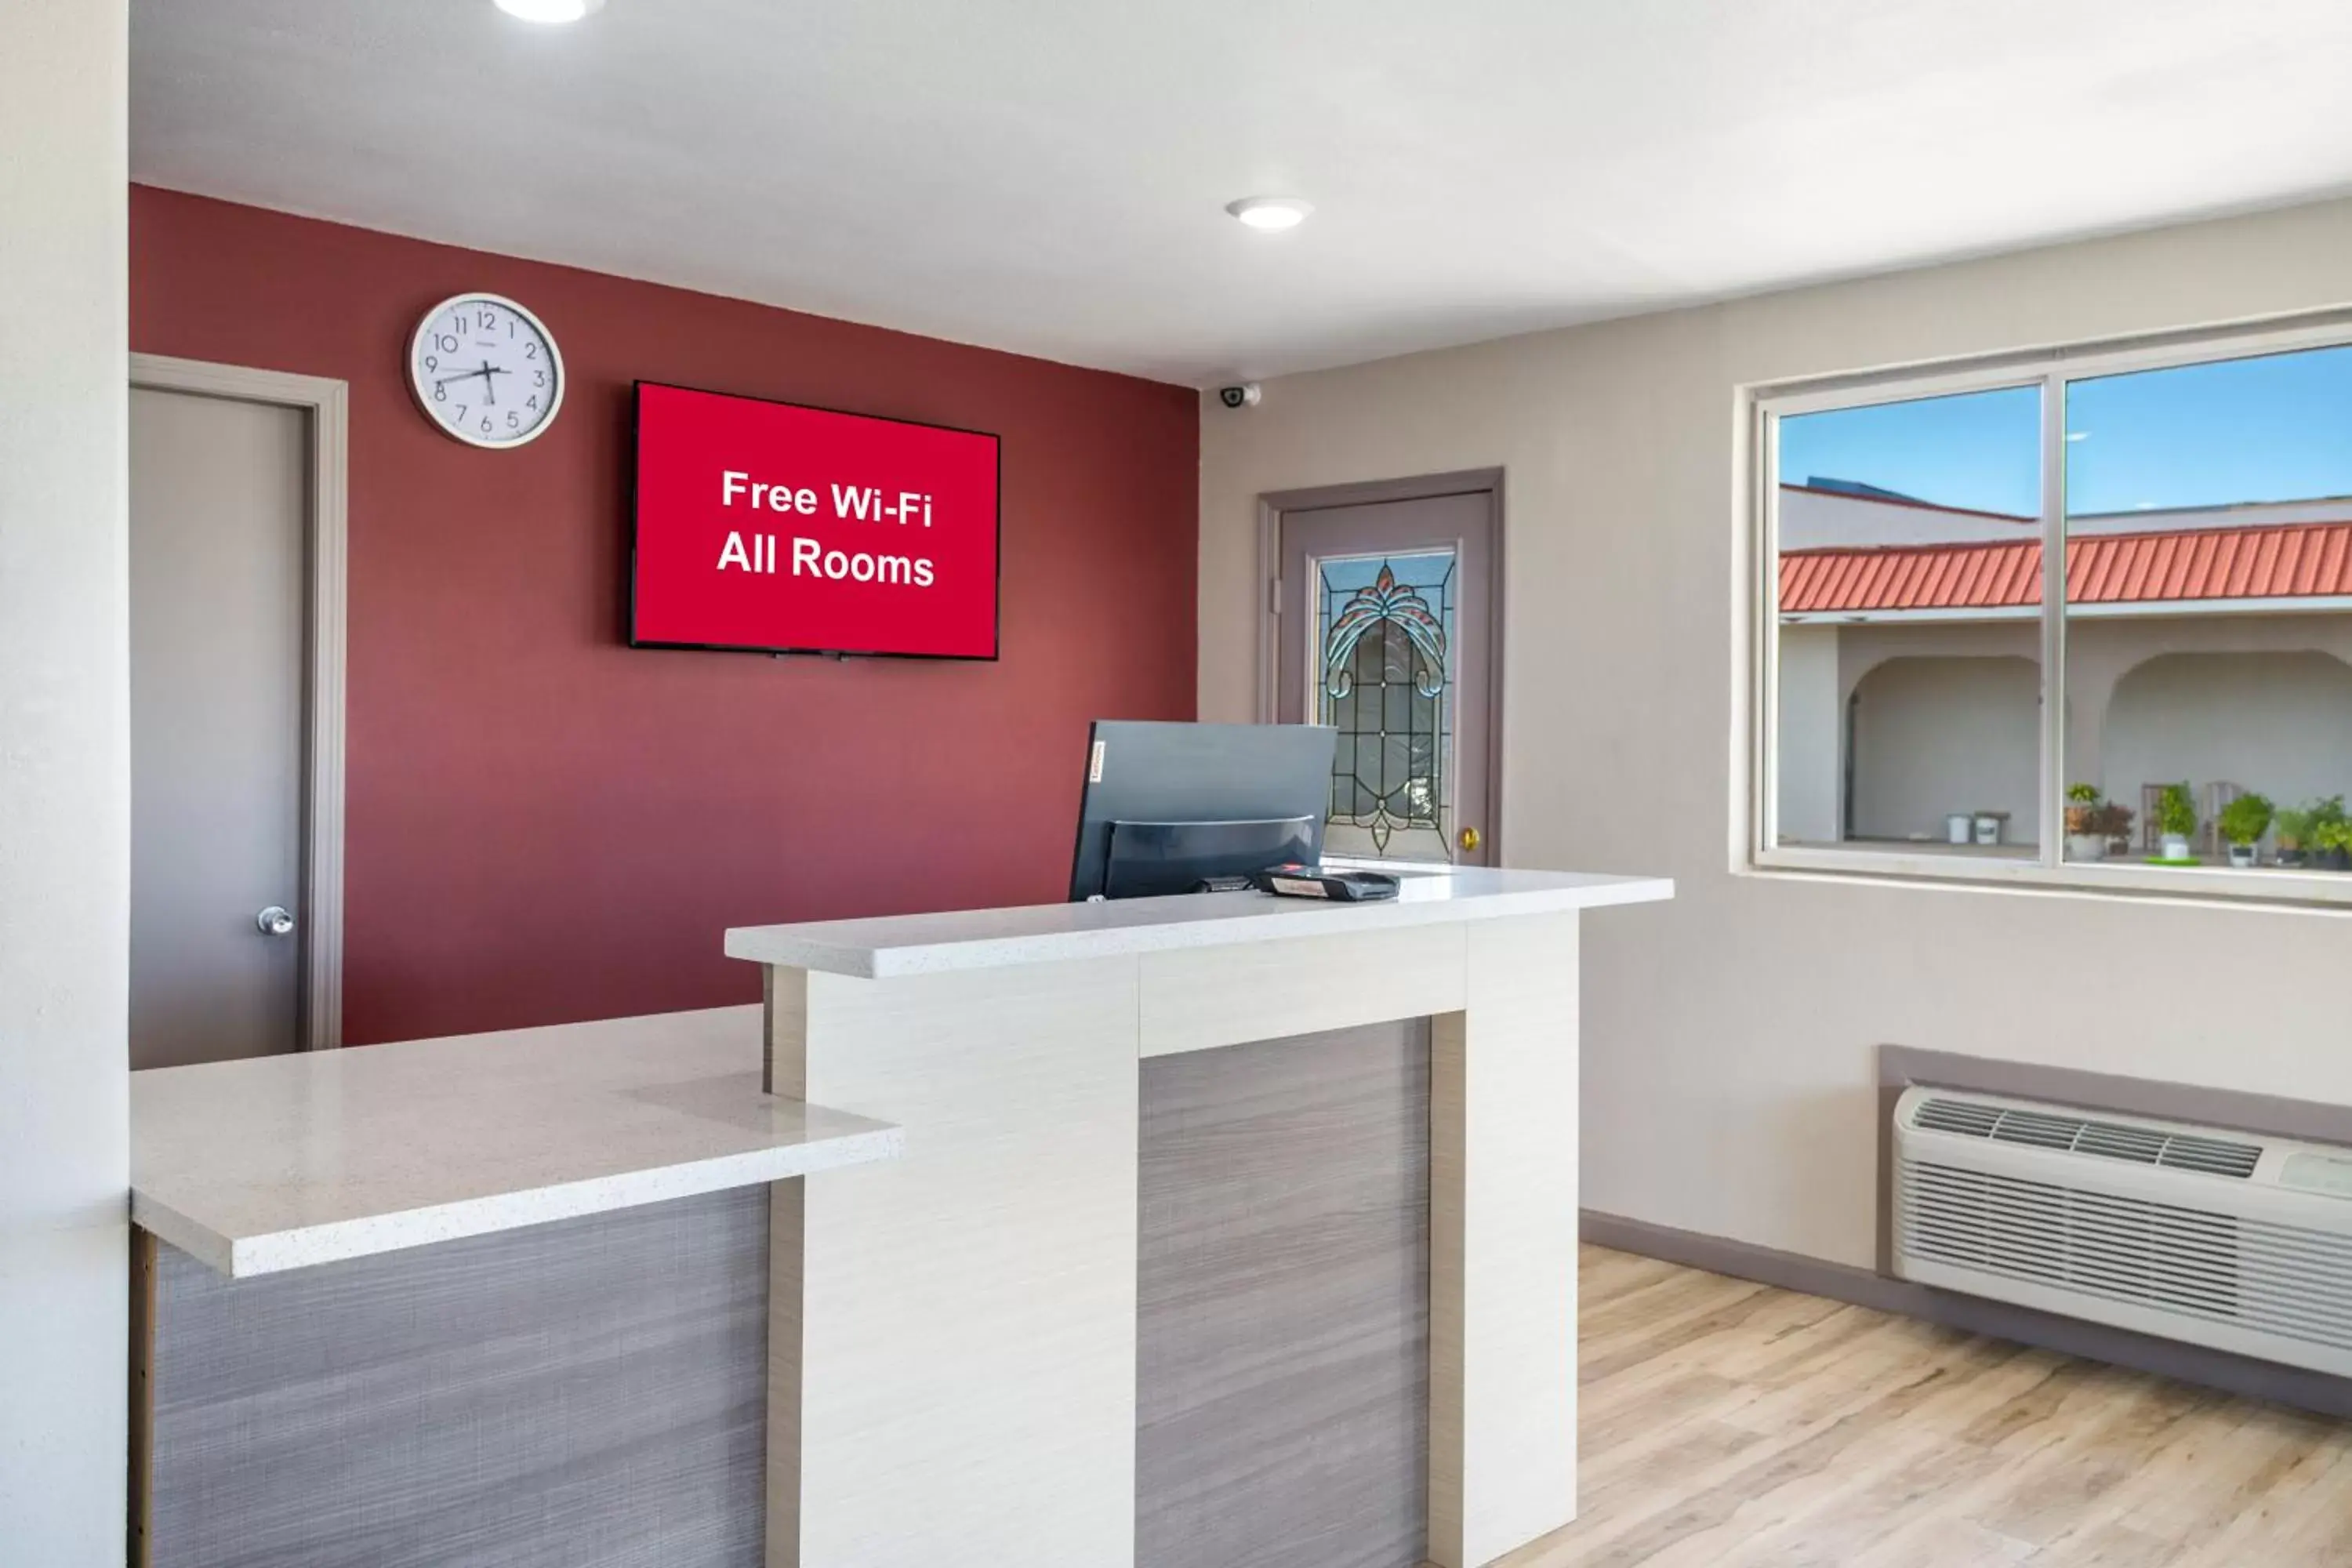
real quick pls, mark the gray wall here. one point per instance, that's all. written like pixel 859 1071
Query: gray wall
pixel 1626 715
pixel 63 781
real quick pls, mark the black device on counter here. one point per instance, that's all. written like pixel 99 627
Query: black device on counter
pixel 1152 858
pixel 1168 807
pixel 1322 882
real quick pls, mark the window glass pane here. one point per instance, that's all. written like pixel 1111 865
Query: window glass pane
pixel 1909 640
pixel 1384 674
pixel 2209 648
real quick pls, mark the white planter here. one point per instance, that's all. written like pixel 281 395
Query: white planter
pixel 2243 856
pixel 2175 848
pixel 2086 847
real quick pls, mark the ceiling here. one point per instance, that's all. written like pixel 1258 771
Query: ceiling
pixel 1049 176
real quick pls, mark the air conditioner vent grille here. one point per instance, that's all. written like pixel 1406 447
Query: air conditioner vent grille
pixel 2081 1135
pixel 1962 1116
pixel 2281 1279
pixel 2214 1156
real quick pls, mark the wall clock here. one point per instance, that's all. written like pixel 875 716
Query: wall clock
pixel 486 371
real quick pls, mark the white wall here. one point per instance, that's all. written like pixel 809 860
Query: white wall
pixel 1728 1077
pixel 1815 519
pixel 1813 737
pixel 63 782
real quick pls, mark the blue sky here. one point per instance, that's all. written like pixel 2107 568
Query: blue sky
pixel 2275 428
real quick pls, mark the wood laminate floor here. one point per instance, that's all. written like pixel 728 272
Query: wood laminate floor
pixel 1727 1424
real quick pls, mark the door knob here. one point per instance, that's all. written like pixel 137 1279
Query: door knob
pixel 1469 840
pixel 275 921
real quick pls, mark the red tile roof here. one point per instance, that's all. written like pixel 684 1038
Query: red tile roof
pixel 2292 560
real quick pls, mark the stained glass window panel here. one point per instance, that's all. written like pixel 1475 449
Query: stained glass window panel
pixel 1383 677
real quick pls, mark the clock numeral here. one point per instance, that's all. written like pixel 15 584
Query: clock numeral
pixel 440 394
pixel 444 343
pixel 486 423
pixel 461 413
pixel 432 362
pixel 538 378
pixel 530 350
pixel 514 421
pixel 531 403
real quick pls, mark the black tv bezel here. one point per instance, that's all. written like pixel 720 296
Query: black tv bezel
pixel 636 499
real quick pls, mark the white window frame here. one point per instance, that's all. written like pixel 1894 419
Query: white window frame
pixel 2052 370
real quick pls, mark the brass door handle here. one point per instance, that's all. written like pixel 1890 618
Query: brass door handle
pixel 1469 840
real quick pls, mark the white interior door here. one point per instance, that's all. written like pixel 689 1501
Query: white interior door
pixel 219 538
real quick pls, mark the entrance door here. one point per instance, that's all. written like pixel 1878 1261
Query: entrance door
pixel 219 541
pixel 1385 628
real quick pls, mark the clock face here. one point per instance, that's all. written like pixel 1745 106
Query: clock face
pixel 486 371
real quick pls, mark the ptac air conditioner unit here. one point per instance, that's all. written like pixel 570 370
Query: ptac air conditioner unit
pixel 2215 1237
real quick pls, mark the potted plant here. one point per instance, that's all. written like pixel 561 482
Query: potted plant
pixel 2293 834
pixel 2330 842
pixel 2086 839
pixel 2113 822
pixel 2175 819
pixel 2243 822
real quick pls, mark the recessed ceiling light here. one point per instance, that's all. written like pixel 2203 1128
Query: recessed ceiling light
pixel 1270 212
pixel 550 11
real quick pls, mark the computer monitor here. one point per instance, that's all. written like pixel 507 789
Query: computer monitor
pixel 1167 806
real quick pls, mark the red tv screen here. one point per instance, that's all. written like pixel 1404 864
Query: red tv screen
pixel 773 528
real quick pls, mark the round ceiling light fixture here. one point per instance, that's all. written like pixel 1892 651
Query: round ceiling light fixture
pixel 1270 212
pixel 550 13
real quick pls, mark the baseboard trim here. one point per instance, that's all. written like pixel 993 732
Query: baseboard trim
pixel 2316 1392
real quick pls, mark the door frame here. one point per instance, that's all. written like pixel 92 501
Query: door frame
pixel 327 403
pixel 1272 505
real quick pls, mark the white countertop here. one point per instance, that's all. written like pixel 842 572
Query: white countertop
pixel 891 945
pixel 282 1162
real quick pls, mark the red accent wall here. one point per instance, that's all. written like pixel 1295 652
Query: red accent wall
pixel 545 824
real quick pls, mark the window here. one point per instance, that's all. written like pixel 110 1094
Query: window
pixel 2168 705
pixel 1384 632
pixel 1910 652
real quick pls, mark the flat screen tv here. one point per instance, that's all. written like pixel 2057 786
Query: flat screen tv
pixel 776 528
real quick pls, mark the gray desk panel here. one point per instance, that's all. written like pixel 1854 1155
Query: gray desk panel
pixel 1284 1301
pixel 589 1393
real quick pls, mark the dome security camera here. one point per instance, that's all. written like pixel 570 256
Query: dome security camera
pixel 1246 395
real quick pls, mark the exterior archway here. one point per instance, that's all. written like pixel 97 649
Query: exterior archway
pixel 2277 724
pixel 1943 734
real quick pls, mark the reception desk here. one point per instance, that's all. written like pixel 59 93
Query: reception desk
pixel 1184 1233
pixel 987 1351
